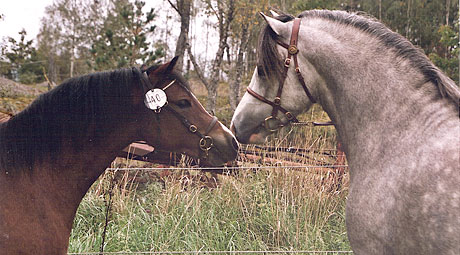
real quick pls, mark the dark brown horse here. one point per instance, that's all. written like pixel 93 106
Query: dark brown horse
pixel 53 151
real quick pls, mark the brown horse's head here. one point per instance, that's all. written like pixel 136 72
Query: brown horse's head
pixel 182 124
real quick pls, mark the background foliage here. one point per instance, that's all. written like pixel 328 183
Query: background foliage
pixel 81 36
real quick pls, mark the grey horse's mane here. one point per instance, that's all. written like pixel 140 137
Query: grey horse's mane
pixel 267 50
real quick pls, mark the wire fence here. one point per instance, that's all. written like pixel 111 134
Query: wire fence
pixel 215 252
pixel 219 168
pixel 223 169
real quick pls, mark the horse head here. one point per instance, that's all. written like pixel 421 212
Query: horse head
pixel 279 90
pixel 176 121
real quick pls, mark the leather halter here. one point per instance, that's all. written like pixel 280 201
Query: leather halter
pixel 292 51
pixel 206 141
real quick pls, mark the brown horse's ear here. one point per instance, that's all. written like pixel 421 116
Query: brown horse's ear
pixel 172 64
pixel 166 68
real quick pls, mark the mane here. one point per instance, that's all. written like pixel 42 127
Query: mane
pixel 269 62
pixel 79 110
pixel 267 50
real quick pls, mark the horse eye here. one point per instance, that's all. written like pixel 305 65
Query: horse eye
pixel 184 103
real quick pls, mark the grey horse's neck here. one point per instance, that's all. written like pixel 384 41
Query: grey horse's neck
pixel 381 104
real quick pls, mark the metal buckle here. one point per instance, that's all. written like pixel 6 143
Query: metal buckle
pixel 293 49
pixel 287 61
pixel 192 128
pixel 289 116
pixel 276 123
pixel 277 101
pixel 206 143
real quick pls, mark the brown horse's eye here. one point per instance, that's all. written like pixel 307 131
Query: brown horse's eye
pixel 184 103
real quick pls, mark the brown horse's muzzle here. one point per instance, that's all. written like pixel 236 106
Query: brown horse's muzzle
pixel 224 148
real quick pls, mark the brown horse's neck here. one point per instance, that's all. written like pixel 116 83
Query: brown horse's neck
pixel 52 191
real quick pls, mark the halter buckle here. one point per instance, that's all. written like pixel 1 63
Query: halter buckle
pixel 206 143
pixel 293 49
pixel 192 128
pixel 277 101
pixel 287 62
pixel 272 124
pixel 289 116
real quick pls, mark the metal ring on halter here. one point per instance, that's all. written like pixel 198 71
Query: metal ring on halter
pixel 192 128
pixel 268 126
pixel 206 143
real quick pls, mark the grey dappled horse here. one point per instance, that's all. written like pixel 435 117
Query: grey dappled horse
pixel 396 114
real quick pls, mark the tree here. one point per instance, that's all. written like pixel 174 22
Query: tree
pixel 448 60
pixel 20 61
pixel 243 31
pixel 183 8
pixel 123 38
pixel 66 32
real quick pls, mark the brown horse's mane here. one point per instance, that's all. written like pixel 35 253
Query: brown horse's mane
pixel 270 64
pixel 78 110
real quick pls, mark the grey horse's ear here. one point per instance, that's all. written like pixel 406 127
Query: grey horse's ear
pixel 274 14
pixel 277 26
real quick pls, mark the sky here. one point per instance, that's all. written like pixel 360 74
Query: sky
pixel 19 14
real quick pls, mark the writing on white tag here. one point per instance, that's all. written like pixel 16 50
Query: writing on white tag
pixel 155 99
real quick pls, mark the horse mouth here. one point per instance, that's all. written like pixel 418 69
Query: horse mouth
pixel 220 155
pixel 255 136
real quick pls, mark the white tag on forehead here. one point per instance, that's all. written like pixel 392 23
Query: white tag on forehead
pixel 155 99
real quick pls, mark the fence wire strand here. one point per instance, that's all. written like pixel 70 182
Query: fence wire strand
pixel 217 168
pixel 214 252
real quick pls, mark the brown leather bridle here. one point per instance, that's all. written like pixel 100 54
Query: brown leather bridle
pixel 273 123
pixel 206 142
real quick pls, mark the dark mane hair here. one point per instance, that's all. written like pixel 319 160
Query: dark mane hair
pixel 79 110
pixel 269 62
pixel 267 50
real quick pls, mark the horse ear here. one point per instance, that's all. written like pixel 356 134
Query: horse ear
pixel 276 25
pixel 274 14
pixel 165 68
pixel 172 64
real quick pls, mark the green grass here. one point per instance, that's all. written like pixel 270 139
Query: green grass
pixel 278 209
pixel 270 209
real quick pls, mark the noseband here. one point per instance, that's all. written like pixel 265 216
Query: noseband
pixel 273 123
pixel 206 141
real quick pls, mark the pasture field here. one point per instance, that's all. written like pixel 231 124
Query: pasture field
pixel 251 209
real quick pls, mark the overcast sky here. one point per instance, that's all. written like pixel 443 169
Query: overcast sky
pixel 19 14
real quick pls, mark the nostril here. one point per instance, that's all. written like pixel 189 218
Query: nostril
pixel 235 144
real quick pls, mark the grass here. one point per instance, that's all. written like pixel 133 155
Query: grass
pixel 252 209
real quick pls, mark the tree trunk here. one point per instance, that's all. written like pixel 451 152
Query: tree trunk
pixel 224 25
pixel 234 94
pixel 408 19
pixel 198 71
pixel 184 9
pixel 447 12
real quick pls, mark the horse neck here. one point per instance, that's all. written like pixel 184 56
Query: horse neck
pixel 57 184
pixel 374 97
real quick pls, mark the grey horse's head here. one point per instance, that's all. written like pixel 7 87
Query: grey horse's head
pixel 248 122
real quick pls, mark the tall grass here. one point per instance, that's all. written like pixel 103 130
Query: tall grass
pixel 252 209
